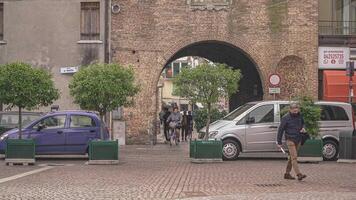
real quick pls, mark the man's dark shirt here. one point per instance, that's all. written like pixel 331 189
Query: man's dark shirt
pixel 290 126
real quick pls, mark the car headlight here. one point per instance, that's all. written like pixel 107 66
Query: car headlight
pixel 3 137
pixel 212 134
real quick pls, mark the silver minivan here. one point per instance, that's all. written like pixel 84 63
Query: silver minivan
pixel 253 127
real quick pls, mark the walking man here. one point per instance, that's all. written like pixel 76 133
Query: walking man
pixel 292 126
pixel 166 124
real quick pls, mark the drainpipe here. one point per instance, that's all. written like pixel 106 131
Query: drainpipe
pixel 107 20
pixel 107 57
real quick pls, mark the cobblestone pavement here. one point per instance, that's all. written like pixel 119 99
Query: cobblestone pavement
pixel 163 172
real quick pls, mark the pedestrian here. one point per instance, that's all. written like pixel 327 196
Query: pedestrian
pixel 292 126
pixel 166 124
pixel 161 114
pixel 190 124
pixel 184 127
pixel 174 120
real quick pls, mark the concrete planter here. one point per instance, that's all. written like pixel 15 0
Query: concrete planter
pixel 21 151
pixel 311 151
pixel 201 151
pixel 103 152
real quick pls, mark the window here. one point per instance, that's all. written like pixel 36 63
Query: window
pixel 1 21
pixel 81 121
pixel 90 21
pixel 52 122
pixel 283 109
pixel 263 114
pixel 333 113
pixel 238 111
pixel 176 69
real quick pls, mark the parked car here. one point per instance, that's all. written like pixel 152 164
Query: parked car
pixel 253 127
pixel 10 120
pixel 64 132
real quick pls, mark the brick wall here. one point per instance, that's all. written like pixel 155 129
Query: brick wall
pixel 279 36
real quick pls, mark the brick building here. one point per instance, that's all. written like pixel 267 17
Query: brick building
pixel 257 37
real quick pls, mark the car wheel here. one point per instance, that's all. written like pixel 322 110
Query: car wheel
pixel 231 149
pixel 330 150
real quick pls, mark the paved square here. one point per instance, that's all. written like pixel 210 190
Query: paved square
pixel 164 172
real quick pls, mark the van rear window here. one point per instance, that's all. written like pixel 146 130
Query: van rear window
pixel 333 113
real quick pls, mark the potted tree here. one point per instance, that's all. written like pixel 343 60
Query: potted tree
pixel 206 83
pixel 24 87
pixel 102 88
pixel 311 150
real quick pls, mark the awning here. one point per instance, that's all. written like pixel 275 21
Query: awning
pixel 336 86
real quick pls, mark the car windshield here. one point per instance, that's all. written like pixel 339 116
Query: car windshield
pixel 238 111
pixel 13 119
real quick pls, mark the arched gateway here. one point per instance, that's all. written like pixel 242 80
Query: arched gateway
pixel 243 34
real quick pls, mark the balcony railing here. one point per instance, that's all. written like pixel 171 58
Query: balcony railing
pixel 337 27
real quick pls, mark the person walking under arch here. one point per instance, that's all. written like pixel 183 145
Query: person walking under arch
pixel 166 124
pixel 292 126
pixel 174 121
pixel 184 126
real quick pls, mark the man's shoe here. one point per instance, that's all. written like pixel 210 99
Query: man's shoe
pixel 301 176
pixel 288 176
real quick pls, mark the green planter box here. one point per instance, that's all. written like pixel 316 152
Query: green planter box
pixel 103 152
pixel 205 151
pixel 347 148
pixel 311 151
pixel 20 151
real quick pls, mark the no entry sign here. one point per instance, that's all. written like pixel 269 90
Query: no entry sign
pixel 274 80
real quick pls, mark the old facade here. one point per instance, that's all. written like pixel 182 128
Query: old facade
pixel 57 35
pixel 257 37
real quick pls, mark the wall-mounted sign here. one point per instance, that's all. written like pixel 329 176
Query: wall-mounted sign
pixel 209 4
pixel 333 57
pixel 69 70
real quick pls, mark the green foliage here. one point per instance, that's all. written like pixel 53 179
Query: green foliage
pixel 202 114
pixel 103 87
pixel 311 114
pixel 26 87
pixel 206 83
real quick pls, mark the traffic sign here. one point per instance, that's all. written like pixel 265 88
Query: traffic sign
pixel 274 90
pixel 274 79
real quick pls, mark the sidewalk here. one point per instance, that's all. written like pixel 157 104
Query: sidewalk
pixel 164 172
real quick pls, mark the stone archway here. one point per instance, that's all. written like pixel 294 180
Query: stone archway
pixel 250 87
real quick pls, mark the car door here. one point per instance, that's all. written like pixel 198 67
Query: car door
pixel 261 129
pixel 49 135
pixel 82 129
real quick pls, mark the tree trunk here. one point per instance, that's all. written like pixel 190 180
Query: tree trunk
pixel 20 123
pixel 102 125
pixel 206 137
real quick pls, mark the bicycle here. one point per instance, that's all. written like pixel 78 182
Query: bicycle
pixel 173 136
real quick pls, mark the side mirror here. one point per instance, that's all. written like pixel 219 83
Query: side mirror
pixel 250 120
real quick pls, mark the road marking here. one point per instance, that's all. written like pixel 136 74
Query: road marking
pixel 11 178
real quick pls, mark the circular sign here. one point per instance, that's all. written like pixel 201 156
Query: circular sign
pixel 274 79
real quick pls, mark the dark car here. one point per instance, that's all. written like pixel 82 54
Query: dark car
pixel 64 132
pixel 10 120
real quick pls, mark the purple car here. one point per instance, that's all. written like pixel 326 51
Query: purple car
pixel 63 132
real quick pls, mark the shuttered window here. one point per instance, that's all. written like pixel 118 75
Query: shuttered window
pixel 90 21
pixel 1 21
